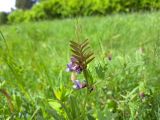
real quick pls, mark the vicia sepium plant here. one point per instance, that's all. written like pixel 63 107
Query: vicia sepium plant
pixel 81 57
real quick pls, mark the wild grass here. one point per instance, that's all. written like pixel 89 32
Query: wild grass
pixel 125 71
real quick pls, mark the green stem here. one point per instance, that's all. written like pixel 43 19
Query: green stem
pixel 85 73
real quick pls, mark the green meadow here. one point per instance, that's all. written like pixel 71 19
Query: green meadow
pixel 34 84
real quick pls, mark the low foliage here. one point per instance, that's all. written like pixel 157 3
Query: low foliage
pixel 125 75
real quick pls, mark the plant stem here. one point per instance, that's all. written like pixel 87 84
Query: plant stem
pixel 85 73
pixel 4 92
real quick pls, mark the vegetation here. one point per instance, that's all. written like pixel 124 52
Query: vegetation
pixel 3 18
pixel 50 9
pixel 34 83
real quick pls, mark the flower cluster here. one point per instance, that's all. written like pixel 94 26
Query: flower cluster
pixel 78 84
pixel 73 67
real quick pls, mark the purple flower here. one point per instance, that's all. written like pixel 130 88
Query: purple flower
pixel 73 67
pixel 78 84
